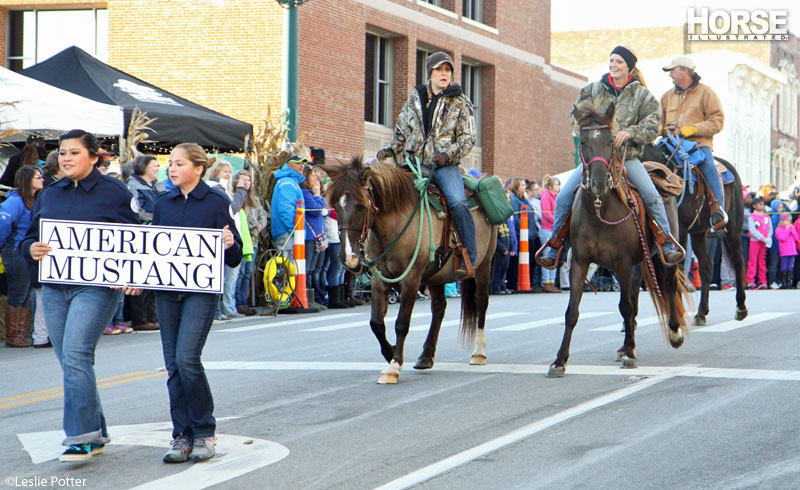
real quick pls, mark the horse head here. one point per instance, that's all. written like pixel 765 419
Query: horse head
pixel 350 195
pixel 596 147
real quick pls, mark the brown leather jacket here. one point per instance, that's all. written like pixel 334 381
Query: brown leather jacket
pixel 698 106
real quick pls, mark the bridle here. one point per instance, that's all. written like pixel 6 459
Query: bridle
pixel 366 224
pixel 612 170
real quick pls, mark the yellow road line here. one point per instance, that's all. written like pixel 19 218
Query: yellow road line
pixel 52 393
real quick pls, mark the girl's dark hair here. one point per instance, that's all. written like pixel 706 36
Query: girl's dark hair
pixel 140 164
pixel 757 200
pixel 88 140
pixel 30 152
pixel 50 166
pixel 306 172
pixel 22 181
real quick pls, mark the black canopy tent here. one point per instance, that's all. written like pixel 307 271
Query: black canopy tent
pixel 179 120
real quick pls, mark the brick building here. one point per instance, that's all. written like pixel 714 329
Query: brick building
pixel 358 62
pixel 585 50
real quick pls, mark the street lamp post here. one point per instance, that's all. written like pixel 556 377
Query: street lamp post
pixel 291 72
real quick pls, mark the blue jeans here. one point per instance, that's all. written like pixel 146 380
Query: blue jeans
pixel 332 268
pixel 229 290
pixel 76 317
pixel 547 274
pixel 245 274
pixel 185 320
pixel 711 175
pixel 638 176
pixel 18 274
pixel 499 268
pixel 452 186
pixel 314 262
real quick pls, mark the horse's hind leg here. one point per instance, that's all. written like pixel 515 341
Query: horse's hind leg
pixel 380 302
pixel 438 307
pixel 481 298
pixel 626 353
pixel 704 266
pixel 577 274
pixel 736 255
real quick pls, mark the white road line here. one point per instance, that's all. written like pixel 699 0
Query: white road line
pixel 447 464
pixel 750 320
pixel 556 320
pixel 588 370
pixel 342 326
pixel 615 327
pixel 294 321
pixel 450 323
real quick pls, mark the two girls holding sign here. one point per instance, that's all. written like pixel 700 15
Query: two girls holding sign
pixel 76 315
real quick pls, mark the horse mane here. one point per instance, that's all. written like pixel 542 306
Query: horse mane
pixel 392 187
pixel 588 112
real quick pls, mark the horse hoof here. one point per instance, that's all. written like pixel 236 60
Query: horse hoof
pixel 556 371
pixel 741 314
pixel 388 379
pixel 423 363
pixel 629 363
pixel 699 321
pixel 676 339
pixel 477 360
pixel 620 355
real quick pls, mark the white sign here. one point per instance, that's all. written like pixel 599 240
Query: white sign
pixel 737 25
pixel 148 257
pixel 144 93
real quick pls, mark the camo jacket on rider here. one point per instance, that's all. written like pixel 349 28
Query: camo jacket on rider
pixel 452 127
pixel 637 111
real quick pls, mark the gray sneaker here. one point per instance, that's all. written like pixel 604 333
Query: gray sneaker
pixel 180 451
pixel 203 448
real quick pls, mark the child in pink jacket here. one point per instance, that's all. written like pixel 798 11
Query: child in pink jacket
pixel 760 227
pixel 787 238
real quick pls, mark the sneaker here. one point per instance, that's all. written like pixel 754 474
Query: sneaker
pixel 222 317
pixel 728 287
pixel 111 330
pixel 235 314
pixel 203 448
pixel 82 452
pixel 123 328
pixel 180 451
pixel 97 449
pixel 774 285
pixel 762 286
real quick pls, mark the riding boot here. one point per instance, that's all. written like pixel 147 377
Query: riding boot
pixel 719 218
pixel 548 255
pixel 15 327
pixel 334 302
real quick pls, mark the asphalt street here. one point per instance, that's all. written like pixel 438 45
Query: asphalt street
pixel 298 406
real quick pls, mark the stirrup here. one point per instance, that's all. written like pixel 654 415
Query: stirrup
pixel 465 263
pixel 538 256
pixel 680 250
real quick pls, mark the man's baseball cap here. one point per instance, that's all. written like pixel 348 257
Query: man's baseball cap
pixel 683 61
pixel 437 59
pixel 297 159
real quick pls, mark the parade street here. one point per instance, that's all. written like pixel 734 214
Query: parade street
pixel 298 406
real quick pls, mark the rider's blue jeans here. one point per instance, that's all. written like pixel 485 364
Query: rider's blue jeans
pixel 636 174
pixel 449 181
pixel 711 175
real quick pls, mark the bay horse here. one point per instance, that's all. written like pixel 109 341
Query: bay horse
pixel 694 218
pixel 605 231
pixel 373 203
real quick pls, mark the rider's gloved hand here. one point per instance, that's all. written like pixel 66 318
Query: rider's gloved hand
pixel 688 131
pixel 440 159
pixel 383 154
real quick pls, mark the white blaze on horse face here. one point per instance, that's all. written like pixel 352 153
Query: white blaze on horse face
pixel 348 248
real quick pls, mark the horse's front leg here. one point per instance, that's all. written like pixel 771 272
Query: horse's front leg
pixel 408 296
pixel 704 266
pixel 379 303
pixel 577 274
pixel 627 353
pixel 438 307
pixel 481 298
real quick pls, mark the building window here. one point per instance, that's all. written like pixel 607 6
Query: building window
pixel 437 3
pixel 472 84
pixel 35 35
pixel 472 9
pixel 422 74
pixel 378 83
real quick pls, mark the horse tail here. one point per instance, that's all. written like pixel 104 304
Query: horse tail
pixel 682 298
pixel 469 312
pixel 661 303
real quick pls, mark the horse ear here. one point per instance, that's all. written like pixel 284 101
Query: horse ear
pixel 610 111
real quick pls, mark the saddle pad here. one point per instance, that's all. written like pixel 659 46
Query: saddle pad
pixel 667 182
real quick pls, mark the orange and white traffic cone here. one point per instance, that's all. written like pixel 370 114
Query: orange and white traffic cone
pixel 300 295
pixel 524 275
pixel 696 276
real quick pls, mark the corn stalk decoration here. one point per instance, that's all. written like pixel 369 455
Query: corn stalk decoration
pixel 137 134
pixel 6 129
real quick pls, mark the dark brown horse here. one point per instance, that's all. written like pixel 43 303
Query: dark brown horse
pixel 694 218
pixel 605 231
pixel 373 204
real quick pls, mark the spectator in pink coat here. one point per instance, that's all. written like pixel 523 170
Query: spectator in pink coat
pixel 787 237
pixel 548 199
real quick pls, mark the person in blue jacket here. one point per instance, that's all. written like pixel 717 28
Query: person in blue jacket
pixel 185 318
pixel 316 210
pixel 284 201
pixel 76 315
pixel 15 216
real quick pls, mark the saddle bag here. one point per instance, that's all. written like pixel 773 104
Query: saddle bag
pixel 492 197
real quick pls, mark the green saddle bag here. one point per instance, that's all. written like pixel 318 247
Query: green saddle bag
pixel 492 197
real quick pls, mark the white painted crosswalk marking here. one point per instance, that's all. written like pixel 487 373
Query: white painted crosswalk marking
pixel 342 326
pixel 750 320
pixel 293 321
pixel 616 327
pixel 545 322
pixel 450 323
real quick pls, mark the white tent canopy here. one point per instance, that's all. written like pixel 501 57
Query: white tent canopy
pixel 49 111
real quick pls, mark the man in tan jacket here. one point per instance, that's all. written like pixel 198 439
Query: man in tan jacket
pixel 696 111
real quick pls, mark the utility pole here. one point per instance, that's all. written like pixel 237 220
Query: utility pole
pixel 291 71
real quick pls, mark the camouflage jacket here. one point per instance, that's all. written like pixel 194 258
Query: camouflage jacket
pixel 452 127
pixel 637 111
